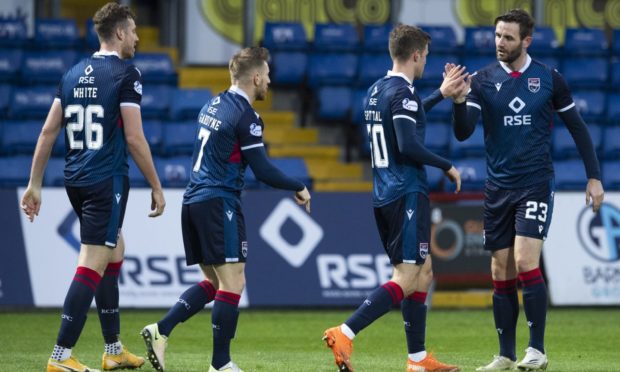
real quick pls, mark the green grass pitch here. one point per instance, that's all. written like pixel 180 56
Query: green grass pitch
pixel 577 340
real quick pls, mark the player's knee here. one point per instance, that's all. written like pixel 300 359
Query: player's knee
pixel 525 264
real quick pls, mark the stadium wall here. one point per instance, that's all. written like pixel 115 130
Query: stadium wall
pixel 332 257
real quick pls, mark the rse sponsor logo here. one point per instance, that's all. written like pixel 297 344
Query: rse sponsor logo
pixel 358 271
pixel 372 102
pixel 517 120
pixel 157 271
pixel 86 80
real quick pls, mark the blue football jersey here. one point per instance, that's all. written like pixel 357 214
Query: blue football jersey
pixel 389 98
pixel 91 94
pixel 227 124
pixel 517 113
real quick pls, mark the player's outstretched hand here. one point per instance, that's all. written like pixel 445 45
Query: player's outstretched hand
pixel 303 198
pixel 455 177
pixel 31 202
pixel 594 190
pixel 158 203
pixel 454 80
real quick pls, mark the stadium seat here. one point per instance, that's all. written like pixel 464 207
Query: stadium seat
pixel 187 103
pixel 613 108
pixel 435 178
pixel 611 175
pixel 292 167
pixel 550 61
pixel 179 138
pixel 13 33
pixel 590 104
pixel 10 64
pixel 358 103
pixel 475 63
pixel 376 37
pixel 155 68
pixel 615 46
pixel 615 74
pixel 92 40
pixel 31 103
pixel 585 72
pixel 471 147
pixel 441 111
pixel 54 173
pixel 480 40
pixel 443 39
pixel 334 103
pixel 372 67
pixel 285 36
pixel 153 132
pixel 5 99
pixel 156 102
pixel 46 67
pixel 56 33
pixel 289 68
pixel 544 41
pixel 473 173
pixel 585 41
pixel 174 172
pixel 570 175
pixel 336 37
pixel 20 137
pixel 332 69
pixel 15 170
pixel 611 143
pixel 438 138
pixel 433 72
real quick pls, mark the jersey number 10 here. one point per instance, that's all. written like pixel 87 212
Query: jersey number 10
pixel 378 148
pixel 93 131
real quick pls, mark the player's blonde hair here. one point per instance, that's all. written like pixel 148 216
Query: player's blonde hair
pixel 246 61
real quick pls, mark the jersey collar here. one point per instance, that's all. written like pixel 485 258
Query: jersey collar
pixel 106 53
pixel 528 61
pixel 392 73
pixel 235 89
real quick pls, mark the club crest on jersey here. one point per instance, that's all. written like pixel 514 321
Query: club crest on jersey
pixel 533 84
pixel 256 130
pixel 137 87
pixel 423 250
pixel 410 105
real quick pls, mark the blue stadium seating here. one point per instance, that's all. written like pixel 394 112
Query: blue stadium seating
pixel 153 132
pixel 156 101
pixel 288 68
pixel 611 143
pixel 5 98
pixel 590 104
pixel 376 37
pixel 10 64
pixel 434 69
pixel 471 147
pixel 334 102
pixel 586 72
pixel 46 67
pixel 438 138
pixel 56 33
pixel 292 167
pixel 32 102
pixel 435 178
pixel 332 69
pixel 475 63
pixel 441 111
pixel 20 137
pixel 187 103
pixel 544 41
pixel 615 74
pixel 480 40
pixel 15 170
pixel 611 175
pixel 136 179
pixel 358 103
pixel 550 61
pixel 155 68
pixel 174 172
pixel 92 40
pixel 473 173
pixel 372 67
pixel 564 146
pixel 285 36
pixel 54 173
pixel 613 108
pixel 585 41
pixel 179 138
pixel 340 37
pixel 570 175
pixel 443 39
pixel 13 33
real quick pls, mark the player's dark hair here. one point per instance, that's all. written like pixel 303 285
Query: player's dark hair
pixel 245 61
pixel 405 39
pixel 109 17
pixel 521 17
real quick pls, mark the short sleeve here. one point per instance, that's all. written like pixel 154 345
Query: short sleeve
pixel 250 130
pixel 562 98
pixel 406 104
pixel 131 88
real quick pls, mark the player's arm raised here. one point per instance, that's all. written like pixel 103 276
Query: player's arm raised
pixel 31 200
pixel 141 154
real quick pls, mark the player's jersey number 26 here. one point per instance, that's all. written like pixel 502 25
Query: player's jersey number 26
pixel 84 121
